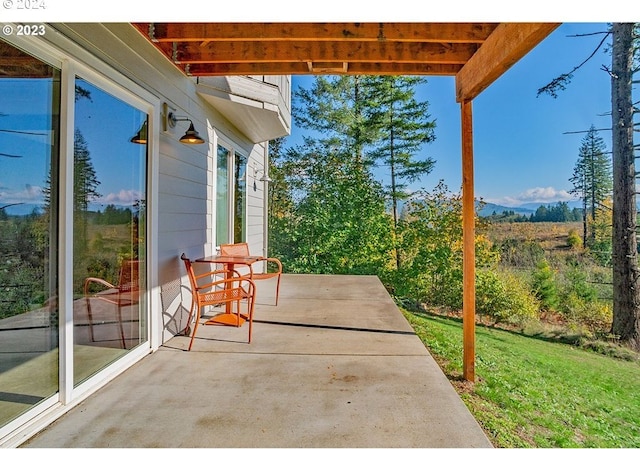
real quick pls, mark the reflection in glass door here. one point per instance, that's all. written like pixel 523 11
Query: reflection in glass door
pixel 109 210
pixel 29 123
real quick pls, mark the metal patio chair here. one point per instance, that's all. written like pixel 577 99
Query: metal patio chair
pixel 220 287
pixel 242 249
pixel 125 294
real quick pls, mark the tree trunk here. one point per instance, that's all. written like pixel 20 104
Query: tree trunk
pixel 626 279
pixel 584 222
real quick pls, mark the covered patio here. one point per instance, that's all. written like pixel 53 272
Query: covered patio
pixel 335 364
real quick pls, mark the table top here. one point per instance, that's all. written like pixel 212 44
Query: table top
pixel 219 258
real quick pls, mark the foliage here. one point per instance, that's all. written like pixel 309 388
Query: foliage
pixel 337 219
pixel 403 127
pixel 85 180
pixel 558 213
pixel 23 278
pixel 431 248
pixel 535 393
pixel 517 252
pixel 575 282
pixel 113 215
pixel 601 242
pixel 594 315
pixel 333 107
pixel 573 239
pixel 592 179
pixel 504 298
pixel 544 285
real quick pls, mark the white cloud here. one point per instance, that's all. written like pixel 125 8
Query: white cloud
pixel 121 198
pixel 534 195
pixel 30 195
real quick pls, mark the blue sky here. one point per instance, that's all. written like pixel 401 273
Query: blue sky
pixel 522 153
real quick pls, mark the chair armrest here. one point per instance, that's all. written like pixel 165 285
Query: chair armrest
pixel 89 280
pixel 276 261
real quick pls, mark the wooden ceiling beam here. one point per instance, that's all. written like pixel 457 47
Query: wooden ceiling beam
pixel 503 48
pixel 320 51
pixel 368 32
pixel 302 68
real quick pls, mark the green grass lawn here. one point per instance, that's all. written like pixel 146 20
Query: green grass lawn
pixel 534 393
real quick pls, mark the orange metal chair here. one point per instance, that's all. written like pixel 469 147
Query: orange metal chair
pixel 219 287
pixel 125 294
pixel 242 249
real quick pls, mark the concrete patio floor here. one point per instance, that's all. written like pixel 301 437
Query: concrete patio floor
pixel 335 364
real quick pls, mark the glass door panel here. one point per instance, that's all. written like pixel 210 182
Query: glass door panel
pixel 240 199
pixel 109 210
pixel 222 196
pixel 29 124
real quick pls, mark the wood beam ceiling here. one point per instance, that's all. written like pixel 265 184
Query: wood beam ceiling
pixel 203 49
pixel 476 53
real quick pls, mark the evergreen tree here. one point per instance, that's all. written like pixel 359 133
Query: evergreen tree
pixel 85 188
pixel 333 107
pixel 592 179
pixel 404 128
pixel 626 272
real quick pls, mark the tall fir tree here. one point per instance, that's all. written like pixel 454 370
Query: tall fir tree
pixel 85 189
pixel 625 62
pixel 334 108
pixel 404 128
pixel 592 180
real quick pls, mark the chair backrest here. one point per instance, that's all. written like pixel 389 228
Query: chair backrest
pixel 129 278
pixel 234 249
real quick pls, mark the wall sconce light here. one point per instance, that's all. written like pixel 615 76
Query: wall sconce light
pixel 170 120
pixel 264 178
pixel 141 137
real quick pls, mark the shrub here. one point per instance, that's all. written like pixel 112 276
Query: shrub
pixel 576 282
pixel 504 297
pixel 595 316
pixel 520 253
pixel 574 240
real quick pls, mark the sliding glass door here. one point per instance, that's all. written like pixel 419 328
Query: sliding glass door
pixel 109 216
pixel 29 124
pixel 73 242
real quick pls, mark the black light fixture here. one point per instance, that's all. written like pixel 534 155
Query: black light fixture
pixel 191 136
pixel 170 119
pixel 141 137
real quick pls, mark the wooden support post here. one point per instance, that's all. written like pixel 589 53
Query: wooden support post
pixel 468 245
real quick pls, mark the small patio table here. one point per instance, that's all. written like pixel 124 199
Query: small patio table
pixel 229 262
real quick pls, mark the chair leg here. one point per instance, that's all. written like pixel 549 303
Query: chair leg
pixel 88 302
pixel 193 333
pixel 251 318
pixel 124 344
pixel 185 331
pixel 277 290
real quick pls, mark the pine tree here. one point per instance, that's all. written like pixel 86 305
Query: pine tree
pixel 592 179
